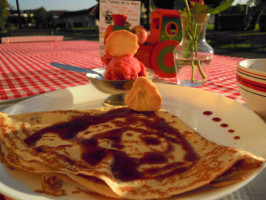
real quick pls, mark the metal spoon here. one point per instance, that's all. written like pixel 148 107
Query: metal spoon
pixel 89 72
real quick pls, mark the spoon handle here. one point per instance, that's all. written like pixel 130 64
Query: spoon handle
pixel 74 68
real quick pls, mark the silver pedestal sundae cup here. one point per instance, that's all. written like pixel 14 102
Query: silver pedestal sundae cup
pixel 116 88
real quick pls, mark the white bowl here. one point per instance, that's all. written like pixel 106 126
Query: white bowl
pixel 251 81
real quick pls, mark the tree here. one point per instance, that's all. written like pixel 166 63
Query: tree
pixel 50 19
pixel 3 13
pixel 214 4
pixel 29 19
pixel 40 17
pixel 260 6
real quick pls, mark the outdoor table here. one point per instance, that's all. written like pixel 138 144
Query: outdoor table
pixel 25 71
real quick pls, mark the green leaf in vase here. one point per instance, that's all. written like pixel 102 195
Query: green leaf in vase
pixel 226 4
pixel 198 8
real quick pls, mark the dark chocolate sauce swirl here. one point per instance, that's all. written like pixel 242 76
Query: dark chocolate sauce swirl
pixel 126 168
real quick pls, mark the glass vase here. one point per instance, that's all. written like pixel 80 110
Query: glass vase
pixel 193 55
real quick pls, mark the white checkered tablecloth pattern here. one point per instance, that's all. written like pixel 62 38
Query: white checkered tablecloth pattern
pixel 25 67
pixel 25 70
pixel 222 78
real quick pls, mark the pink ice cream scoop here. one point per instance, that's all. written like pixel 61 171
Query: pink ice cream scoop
pixel 124 67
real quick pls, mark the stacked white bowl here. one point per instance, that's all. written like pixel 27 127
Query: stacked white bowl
pixel 251 80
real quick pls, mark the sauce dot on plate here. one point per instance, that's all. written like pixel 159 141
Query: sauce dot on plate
pixel 224 125
pixel 207 112
pixel 231 130
pixel 216 119
pixel 236 137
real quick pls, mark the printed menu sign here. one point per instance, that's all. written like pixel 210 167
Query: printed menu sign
pixel 109 7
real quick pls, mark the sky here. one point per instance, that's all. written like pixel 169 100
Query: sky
pixel 70 5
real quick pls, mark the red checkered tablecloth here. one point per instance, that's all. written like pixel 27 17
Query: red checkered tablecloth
pixel 25 68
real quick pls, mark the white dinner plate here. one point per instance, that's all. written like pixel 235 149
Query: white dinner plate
pixel 187 103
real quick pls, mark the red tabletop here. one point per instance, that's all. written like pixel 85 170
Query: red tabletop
pixel 25 68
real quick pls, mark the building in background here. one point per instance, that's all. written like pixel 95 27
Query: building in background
pixel 53 19
pixel 81 18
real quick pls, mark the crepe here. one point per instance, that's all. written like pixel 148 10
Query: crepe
pixel 117 152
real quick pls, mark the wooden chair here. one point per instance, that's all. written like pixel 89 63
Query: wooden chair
pixel 19 39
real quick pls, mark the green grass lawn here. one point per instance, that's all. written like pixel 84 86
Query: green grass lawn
pixel 244 46
pixel 79 34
